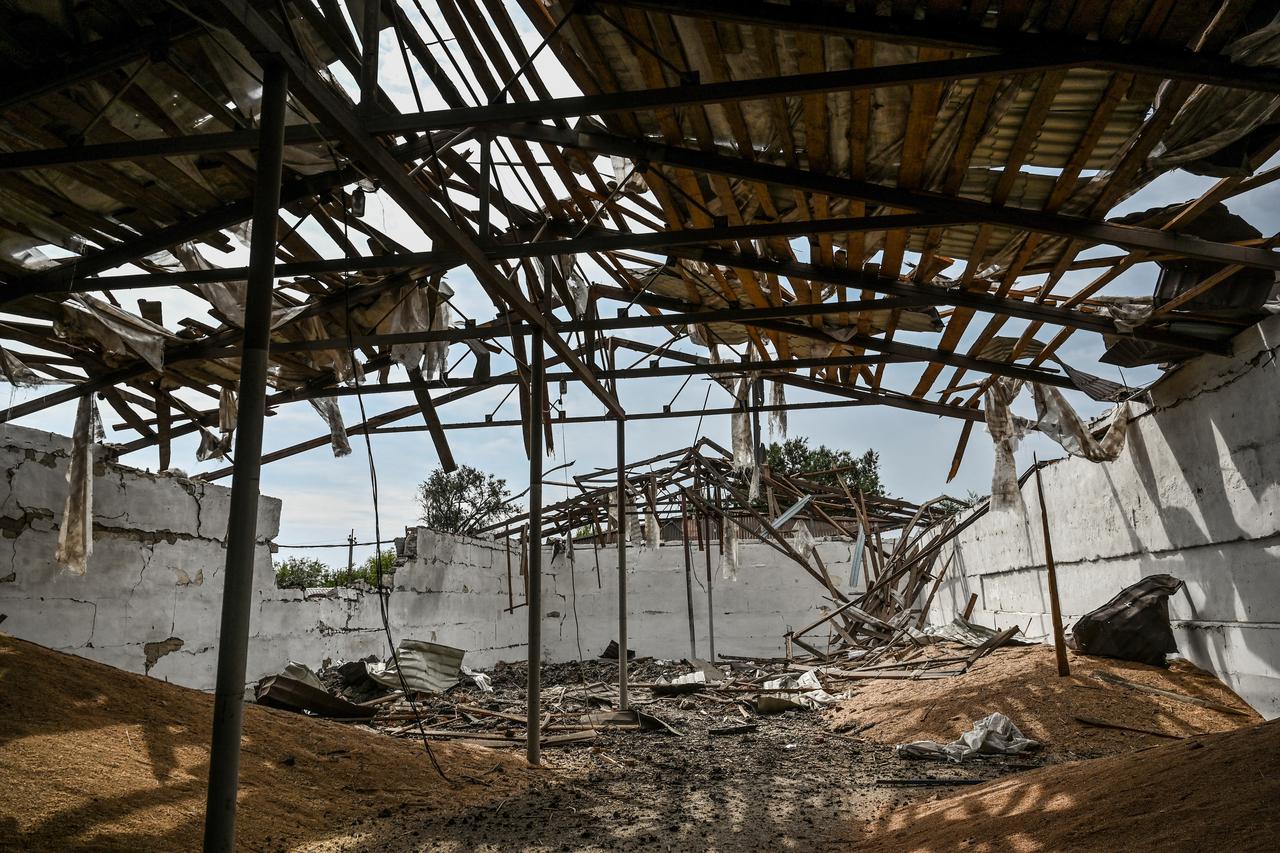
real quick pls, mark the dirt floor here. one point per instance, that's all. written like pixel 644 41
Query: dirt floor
pixel 1022 683
pixel 93 758
pixel 1217 792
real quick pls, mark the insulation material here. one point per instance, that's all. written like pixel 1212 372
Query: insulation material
pixel 1006 430
pixel 118 332
pixel 1058 420
pixel 778 416
pixel 626 176
pixel 16 373
pixel 1215 117
pixel 729 554
pixel 327 407
pixel 75 534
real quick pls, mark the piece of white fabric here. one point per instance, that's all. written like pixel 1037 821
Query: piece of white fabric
pixel 75 534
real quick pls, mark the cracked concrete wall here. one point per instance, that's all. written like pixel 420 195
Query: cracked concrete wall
pixel 580 604
pixel 1195 494
pixel 454 590
pixel 150 599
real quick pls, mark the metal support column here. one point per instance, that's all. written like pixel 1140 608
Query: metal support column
pixel 624 699
pixel 242 521
pixel 688 576
pixel 537 393
pixel 711 602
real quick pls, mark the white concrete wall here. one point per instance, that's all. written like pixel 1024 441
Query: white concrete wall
pixel 1195 494
pixel 154 583
pixel 454 590
pixel 151 599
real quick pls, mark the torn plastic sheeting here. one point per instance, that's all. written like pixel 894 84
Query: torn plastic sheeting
pixel 212 446
pixel 481 680
pixel 1058 420
pixel 16 373
pixel 1213 118
pixel 118 332
pixel 1006 430
pixel 802 539
pixel 814 698
pixel 227 297
pixel 992 735
pixel 75 534
pixel 327 408
pixel 729 559
pixel 424 667
pixel 777 414
pixel 652 530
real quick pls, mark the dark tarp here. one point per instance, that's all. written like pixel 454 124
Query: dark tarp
pixel 1132 626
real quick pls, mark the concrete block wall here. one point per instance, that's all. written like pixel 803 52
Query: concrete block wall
pixel 1195 494
pixel 151 598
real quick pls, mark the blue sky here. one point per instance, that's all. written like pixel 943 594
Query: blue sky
pixel 325 497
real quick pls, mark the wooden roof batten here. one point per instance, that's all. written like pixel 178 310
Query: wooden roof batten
pixel 716 161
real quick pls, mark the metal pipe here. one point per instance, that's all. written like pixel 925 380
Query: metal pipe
pixel 242 520
pixel 537 392
pixel 688 576
pixel 624 699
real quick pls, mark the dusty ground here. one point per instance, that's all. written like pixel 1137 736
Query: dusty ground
pixel 1207 793
pixel 93 758
pixel 791 785
pixel 1022 683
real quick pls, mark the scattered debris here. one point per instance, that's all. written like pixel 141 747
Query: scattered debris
pixel 1132 626
pixel 424 667
pixel 305 696
pixel 992 735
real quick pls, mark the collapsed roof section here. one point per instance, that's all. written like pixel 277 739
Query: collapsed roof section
pixel 826 188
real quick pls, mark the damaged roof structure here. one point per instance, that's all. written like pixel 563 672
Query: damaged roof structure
pixel 799 193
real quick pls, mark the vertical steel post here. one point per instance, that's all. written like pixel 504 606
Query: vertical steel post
pixel 242 519
pixel 688 577
pixel 537 392
pixel 711 602
pixel 624 699
pixel 369 58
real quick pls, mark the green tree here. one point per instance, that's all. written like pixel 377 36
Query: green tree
pixel 463 500
pixel 821 464
pixel 368 570
pixel 302 572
